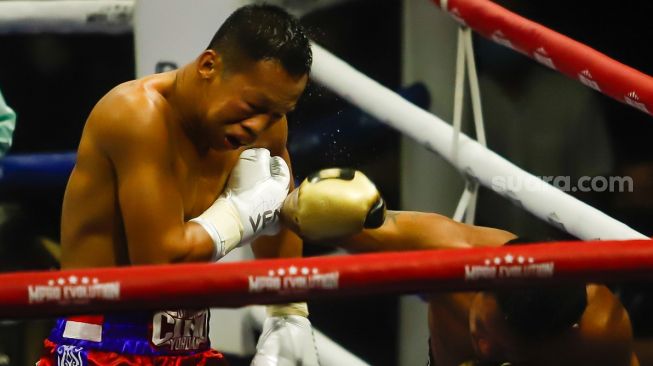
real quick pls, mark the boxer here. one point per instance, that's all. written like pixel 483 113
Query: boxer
pixel 565 325
pixel 184 166
pixel 561 325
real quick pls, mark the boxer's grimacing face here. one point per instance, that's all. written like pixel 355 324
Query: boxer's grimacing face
pixel 240 104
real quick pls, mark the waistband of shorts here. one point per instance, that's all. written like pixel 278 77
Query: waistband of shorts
pixel 123 333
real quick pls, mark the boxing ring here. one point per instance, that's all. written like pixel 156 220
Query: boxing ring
pixel 612 250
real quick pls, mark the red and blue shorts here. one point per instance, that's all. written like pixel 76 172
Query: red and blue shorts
pixel 163 338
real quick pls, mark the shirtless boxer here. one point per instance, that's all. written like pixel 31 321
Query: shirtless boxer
pixel 163 176
pixel 471 328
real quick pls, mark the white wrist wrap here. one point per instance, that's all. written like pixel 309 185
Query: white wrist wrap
pixel 220 250
pixel 222 223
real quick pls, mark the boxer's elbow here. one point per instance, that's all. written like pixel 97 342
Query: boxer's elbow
pixel 186 246
pixel 193 245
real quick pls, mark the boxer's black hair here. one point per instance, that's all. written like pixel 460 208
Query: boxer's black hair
pixel 536 313
pixel 260 32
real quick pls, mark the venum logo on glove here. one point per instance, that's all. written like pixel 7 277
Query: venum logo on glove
pixel 262 220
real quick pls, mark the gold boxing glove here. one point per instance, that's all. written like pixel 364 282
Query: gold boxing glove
pixel 333 203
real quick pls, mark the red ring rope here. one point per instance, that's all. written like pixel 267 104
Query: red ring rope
pixel 556 51
pixel 281 280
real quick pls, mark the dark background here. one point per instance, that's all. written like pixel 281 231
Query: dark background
pixel 53 81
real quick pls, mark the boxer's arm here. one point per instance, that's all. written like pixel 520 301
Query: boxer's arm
pixel 408 230
pixel 137 143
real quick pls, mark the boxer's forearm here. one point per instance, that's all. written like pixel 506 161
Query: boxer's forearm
pixel 286 244
pixel 408 230
pixel 198 246
pixel 405 230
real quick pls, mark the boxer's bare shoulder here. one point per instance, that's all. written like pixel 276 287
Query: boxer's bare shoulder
pixel 135 112
pixel 605 327
pixel 126 130
pixel 603 336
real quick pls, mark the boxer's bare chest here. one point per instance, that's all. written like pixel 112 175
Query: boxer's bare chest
pixel 201 178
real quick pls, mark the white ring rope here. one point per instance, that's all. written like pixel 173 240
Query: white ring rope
pixel 458 104
pixel 474 88
pixel 459 93
pixel 479 123
pixel 66 16
pixel 548 203
pixel 463 204
pixel 466 209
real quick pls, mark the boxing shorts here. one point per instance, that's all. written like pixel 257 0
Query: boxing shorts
pixel 161 338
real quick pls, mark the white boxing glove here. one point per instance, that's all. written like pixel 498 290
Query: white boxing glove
pixel 286 340
pixel 250 204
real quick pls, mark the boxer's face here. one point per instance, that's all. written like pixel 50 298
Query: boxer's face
pixel 243 103
pixel 491 338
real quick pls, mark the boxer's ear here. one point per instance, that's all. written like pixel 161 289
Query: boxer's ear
pixel 209 64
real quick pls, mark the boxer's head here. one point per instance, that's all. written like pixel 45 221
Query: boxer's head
pixel 504 323
pixel 252 73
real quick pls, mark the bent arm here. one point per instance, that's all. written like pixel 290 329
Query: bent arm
pixel 153 217
pixel 410 230
pixel 150 200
